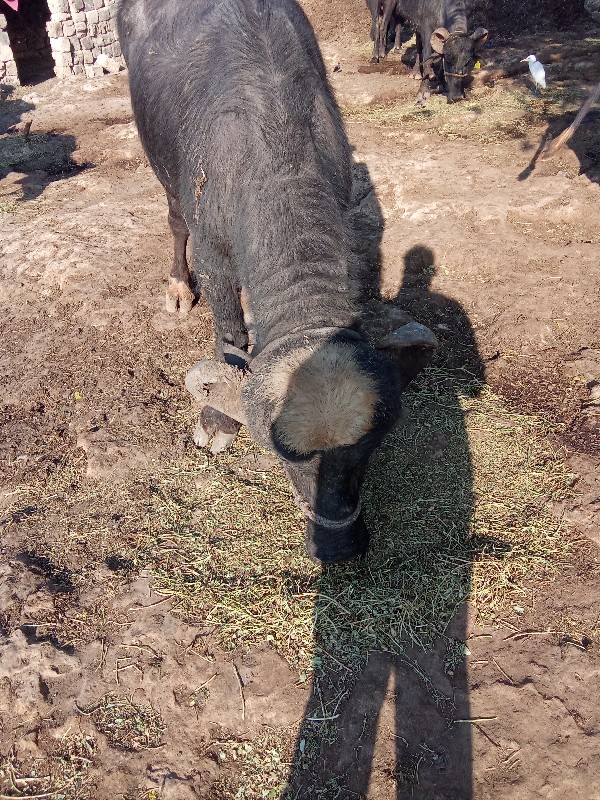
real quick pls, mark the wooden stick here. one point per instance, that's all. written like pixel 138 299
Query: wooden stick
pixel 552 149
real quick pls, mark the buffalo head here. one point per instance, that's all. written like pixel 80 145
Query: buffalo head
pixel 322 400
pixel 458 52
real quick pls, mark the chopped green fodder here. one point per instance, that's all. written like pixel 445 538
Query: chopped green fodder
pixel 455 500
pixel 455 504
pixel 491 115
pixel 127 725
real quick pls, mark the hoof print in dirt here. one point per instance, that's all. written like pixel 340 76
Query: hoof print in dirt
pixel 127 725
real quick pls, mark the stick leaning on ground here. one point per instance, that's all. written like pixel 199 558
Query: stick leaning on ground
pixel 554 146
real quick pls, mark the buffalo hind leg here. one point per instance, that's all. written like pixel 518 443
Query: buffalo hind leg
pixel 179 292
pixel 417 70
pixel 398 38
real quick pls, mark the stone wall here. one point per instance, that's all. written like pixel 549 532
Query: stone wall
pixel 81 35
pixel 80 31
pixel 8 66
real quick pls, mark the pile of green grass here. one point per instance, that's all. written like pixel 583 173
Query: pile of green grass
pixel 491 115
pixel 455 500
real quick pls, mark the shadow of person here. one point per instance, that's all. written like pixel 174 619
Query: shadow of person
pixel 389 715
pixel 11 108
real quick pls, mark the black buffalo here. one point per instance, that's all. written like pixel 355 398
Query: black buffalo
pixel 446 52
pixel 383 20
pixel 238 120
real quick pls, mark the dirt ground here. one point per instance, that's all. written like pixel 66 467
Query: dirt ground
pixel 106 691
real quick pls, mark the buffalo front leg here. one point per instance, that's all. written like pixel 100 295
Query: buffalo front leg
pixel 417 70
pixel 215 274
pixel 179 293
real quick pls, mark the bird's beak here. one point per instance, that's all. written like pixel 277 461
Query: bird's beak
pixel 523 59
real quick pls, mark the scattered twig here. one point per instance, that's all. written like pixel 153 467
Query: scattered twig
pixel 333 658
pixel 487 736
pixel 510 756
pixel 241 685
pixel 150 605
pixel 142 647
pixel 522 634
pixel 508 624
pixel 506 675
pixel 202 685
pixel 44 795
pixel 103 655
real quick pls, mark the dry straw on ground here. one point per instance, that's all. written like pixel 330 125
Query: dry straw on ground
pixel 455 500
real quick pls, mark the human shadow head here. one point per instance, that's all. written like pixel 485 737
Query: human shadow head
pixel 419 268
pixel 458 352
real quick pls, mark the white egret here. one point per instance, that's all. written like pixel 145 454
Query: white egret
pixel 537 71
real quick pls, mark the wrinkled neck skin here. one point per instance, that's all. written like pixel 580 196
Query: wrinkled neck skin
pixel 454 16
pixel 299 270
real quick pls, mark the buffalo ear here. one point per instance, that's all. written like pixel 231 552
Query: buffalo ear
pixel 479 37
pixel 411 348
pixel 438 39
pixel 218 385
pixel 379 319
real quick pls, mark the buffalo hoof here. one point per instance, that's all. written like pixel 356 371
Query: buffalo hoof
pixel 179 297
pixel 215 430
pixel 328 546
